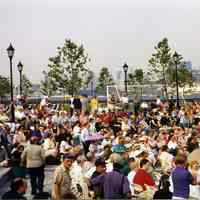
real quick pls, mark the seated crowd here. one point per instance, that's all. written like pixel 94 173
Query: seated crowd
pixel 149 152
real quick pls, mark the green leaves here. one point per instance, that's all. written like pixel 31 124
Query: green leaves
pixel 68 68
pixel 26 86
pixel 4 86
pixel 163 64
pixel 159 63
pixel 136 78
pixel 105 79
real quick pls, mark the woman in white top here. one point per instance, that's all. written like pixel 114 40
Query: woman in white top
pixel 134 166
pixel 194 168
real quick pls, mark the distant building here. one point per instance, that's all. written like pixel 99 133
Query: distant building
pixel 196 75
pixel 188 65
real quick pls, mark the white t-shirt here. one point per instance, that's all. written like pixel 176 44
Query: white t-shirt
pixel 166 160
pixel 172 145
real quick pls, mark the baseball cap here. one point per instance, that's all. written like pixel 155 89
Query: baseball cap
pixel 100 161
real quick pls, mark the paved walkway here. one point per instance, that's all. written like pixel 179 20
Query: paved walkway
pixel 49 169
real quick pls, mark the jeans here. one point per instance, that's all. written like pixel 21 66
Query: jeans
pixel 37 179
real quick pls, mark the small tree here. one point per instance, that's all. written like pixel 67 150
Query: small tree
pixel 89 77
pixel 48 86
pixel 184 75
pixel 4 86
pixel 159 63
pixel 105 79
pixel 26 86
pixel 136 78
pixel 139 76
pixel 68 68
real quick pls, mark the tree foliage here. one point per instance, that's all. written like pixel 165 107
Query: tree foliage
pixel 105 79
pixel 67 69
pixel 48 86
pixel 89 77
pixel 159 63
pixel 4 86
pixel 136 77
pixel 163 67
pixel 26 86
pixel 183 74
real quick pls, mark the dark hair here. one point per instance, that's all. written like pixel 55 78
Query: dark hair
pixel 180 160
pixel 16 184
pixel 131 160
pixel 164 148
pixel 117 166
pixel 164 183
pixel 143 162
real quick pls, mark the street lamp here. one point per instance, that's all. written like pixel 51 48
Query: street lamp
pixel 176 57
pixel 11 51
pixel 20 69
pixel 125 67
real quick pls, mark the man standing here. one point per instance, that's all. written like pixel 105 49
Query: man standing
pixel 181 178
pixel 34 157
pixel 62 184
pixel 77 105
pixel 115 184
pixel 100 169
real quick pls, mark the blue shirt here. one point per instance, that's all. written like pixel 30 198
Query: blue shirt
pixel 36 133
pixel 181 179
pixel 115 184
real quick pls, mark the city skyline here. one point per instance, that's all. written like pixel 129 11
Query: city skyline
pixel 112 32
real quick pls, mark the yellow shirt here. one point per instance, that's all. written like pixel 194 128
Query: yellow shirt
pixel 94 103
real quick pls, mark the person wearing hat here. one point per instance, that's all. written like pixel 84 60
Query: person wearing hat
pixel 121 149
pixel 62 183
pixel 115 184
pixel 100 165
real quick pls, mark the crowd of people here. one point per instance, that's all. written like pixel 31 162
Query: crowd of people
pixel 148 151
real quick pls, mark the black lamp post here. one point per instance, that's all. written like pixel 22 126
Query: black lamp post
pixel 175 56
pixel 20 69
pixel 11 51
pixel 125 67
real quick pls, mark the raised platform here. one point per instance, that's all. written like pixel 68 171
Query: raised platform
pixel 5 177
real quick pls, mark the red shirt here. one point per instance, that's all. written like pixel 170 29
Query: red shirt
pixel 142 177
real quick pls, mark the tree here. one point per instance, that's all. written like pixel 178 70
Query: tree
pixel 139 76
pixel 4 86
pixel 136 78
pixel 68 68
pixel 184 75
pixel 105 79
pixel 89 78
pixel 131 79
pixel 47 85
pixel 26 86
pixel 159 63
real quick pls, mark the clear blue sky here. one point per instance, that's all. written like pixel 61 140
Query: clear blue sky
pixel 112 31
